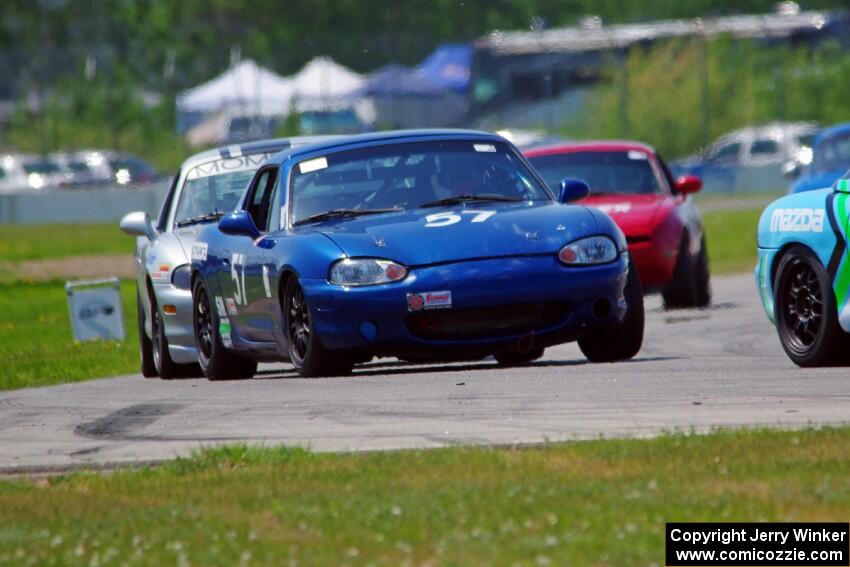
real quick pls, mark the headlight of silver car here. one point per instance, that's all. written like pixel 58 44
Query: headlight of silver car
pixel 590 250
pixel 366 271
pixel 181 277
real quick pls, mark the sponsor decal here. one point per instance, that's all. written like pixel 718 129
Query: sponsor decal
pixel 429 300
pixel 219 305
pixel 616 208
pixel 489 148
pixel 199 251
pixel 231 307
pixel 313 165
pixel 224 333
pixel 797 220
pixel 266 283
pixel 239 295
pixel 637 155
pixel 226 165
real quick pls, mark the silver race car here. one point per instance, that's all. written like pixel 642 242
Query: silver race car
pixel 207 186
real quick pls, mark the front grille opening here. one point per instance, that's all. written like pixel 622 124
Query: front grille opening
pixel 488 322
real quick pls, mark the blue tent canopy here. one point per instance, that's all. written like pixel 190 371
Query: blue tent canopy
pixel 449 65
pixel 398 80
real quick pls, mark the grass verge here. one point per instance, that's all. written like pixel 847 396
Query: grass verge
pixel 589 503
pixel 731 237
pixel 50 241
pixel 36 344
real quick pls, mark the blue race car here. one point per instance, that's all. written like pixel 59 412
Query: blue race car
pixel 803 273
pixel 830 159
pixel 422 245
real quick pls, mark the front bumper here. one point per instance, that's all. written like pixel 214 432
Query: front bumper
pixel 178 327
pixel 764 281
pixel 342 316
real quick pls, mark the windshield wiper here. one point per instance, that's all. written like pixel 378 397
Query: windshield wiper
pixel 341 213
pixel 201 218
pixel 484 197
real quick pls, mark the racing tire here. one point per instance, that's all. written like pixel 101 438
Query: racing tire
pixel 145 344
pixel 623 340
pixel 703 277
pixel 805 311
pixel 516 358
pixel 216 362
pixel 682 291
pixel 306 352
pixel 165 367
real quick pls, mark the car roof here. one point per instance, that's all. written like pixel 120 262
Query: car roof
pixel 392 136
pixel 590 146
pixel 268 146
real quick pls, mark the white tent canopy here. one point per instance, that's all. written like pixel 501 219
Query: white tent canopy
pixel 325 85
pixel 245 88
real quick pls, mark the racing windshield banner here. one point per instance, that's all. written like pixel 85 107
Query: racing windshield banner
pixel 694 544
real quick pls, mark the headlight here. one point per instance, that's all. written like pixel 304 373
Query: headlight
pixel 591 250
pixel 181 277
pixel 366 271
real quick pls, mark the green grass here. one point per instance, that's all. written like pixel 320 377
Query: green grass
pixel 731 237
pixel 50 241
pixel 587 503
pixel 36 344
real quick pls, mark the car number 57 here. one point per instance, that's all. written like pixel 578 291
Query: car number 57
pixel 449 218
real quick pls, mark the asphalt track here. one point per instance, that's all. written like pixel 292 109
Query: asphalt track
pixel 699 369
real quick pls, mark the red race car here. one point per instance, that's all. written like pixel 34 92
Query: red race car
pixel 663 226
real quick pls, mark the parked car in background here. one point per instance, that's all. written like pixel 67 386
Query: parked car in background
pixel 12 174
pixel 92 167
pixel 128 169
pixel 753 159
pixel 84 168
pixel 830 159
pixel 28 171
pixel 208 185
pixel 663 226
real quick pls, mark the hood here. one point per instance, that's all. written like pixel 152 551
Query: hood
pixel 446 234
pixel 632 213
pixel 819 180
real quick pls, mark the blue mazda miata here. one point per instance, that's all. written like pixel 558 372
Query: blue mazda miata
pixel 422 245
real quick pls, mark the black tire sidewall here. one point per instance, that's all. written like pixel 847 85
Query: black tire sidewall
pixel 148 367
pixel 318 361
pixel 624 340
pixel 208 365
pixel 682 292
pixel 305 362
pixel 824 350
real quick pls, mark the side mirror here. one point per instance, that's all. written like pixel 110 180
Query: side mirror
pixel 238 223
pixel 138 224
pixel 688 184
pixel 791 169
pixel 573 190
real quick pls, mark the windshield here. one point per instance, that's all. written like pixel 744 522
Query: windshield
pixel 832 153
pixel 409 175
pixel 206 195
pixel 606 172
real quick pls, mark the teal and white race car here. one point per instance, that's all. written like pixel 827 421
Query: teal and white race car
pixel 803 273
